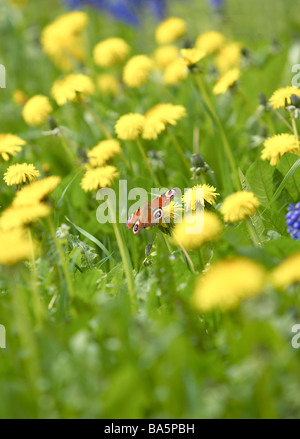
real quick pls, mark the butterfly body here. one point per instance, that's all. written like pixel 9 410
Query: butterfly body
pixel 150 213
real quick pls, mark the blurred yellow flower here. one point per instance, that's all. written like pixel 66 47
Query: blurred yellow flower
pixel 10 145
pixel 137 70
pixel 110 51
pixel 210 42
pixel 170 30
pixel 229 57
pixel 20 173
pixel 276 146
pixel 171 212
pixel 239 206
pixel 107 84
pixel 19 97
pixel 62 40
pixel 15 246
pixel 225 81
pixel 18 216
pixel 193 198
pixel 287 272
pixel 165 55
pixel 37 110
pixel 104 151
pixel 192 56
pixel 36 191
pixel 130 126
pixel 197 229
pixel 175 72
pixel 96 178
pixel 227 282
pixel 158 117
pixel 282 97
pixel 72 88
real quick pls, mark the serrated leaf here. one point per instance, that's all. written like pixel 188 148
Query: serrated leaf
pixel 260 178
pixel 274 220
pixel 289 167
pixel 87 252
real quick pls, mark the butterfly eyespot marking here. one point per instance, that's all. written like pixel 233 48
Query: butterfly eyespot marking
pixel 135 227
pixel 157 214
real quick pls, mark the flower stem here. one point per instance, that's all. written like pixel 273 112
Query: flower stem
pixel 66 146
pixel 245 100
pixel 283 120
pixel 187 256
pixel 38 309
pixel 295 130
pixel 146 161
pixel 253 233
pixel 62 259
pixel 125 259
pixel 218 122
pixel 179 150
pixel 96 119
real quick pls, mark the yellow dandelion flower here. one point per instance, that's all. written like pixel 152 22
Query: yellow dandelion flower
pixel 37 110
pixel 193 198
pixel 18 216
pixel 10 145
pixel 210 42
pixel 171 212
pixel 130 126
pixel 239 206
pixel 276 146
pixel 229 57
pixel 62 39
pixel 175 72
pixel 21 173
pixel 19 97
pixel 196 230
pixel 225 81
pixel 72 88
pixel 158 117
pixel 192 56
pixel 107 84
pixel 165 55
pixel 170 30
pixel 103 152
pixel 96 178
pixel 15 246
pixel 36 192
pixel 228 282
pixel 137 70
pixel 282 97
pixel 153 126
pixel 110 51
pixel 287 272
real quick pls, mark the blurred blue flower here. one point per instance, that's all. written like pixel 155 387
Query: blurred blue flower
pixel 124 10
pixel 217 3
pixel 293 221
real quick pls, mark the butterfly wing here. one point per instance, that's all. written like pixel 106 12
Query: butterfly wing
pixel 151 213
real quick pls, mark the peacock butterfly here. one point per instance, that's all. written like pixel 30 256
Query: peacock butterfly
pixel 150 213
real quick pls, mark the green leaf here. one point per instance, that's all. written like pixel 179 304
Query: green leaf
pixel 256 218
pixel 83 254
pixel 289 167
pixel 274 220
pixel 260 178
pixel 283 247
pixel 91 237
